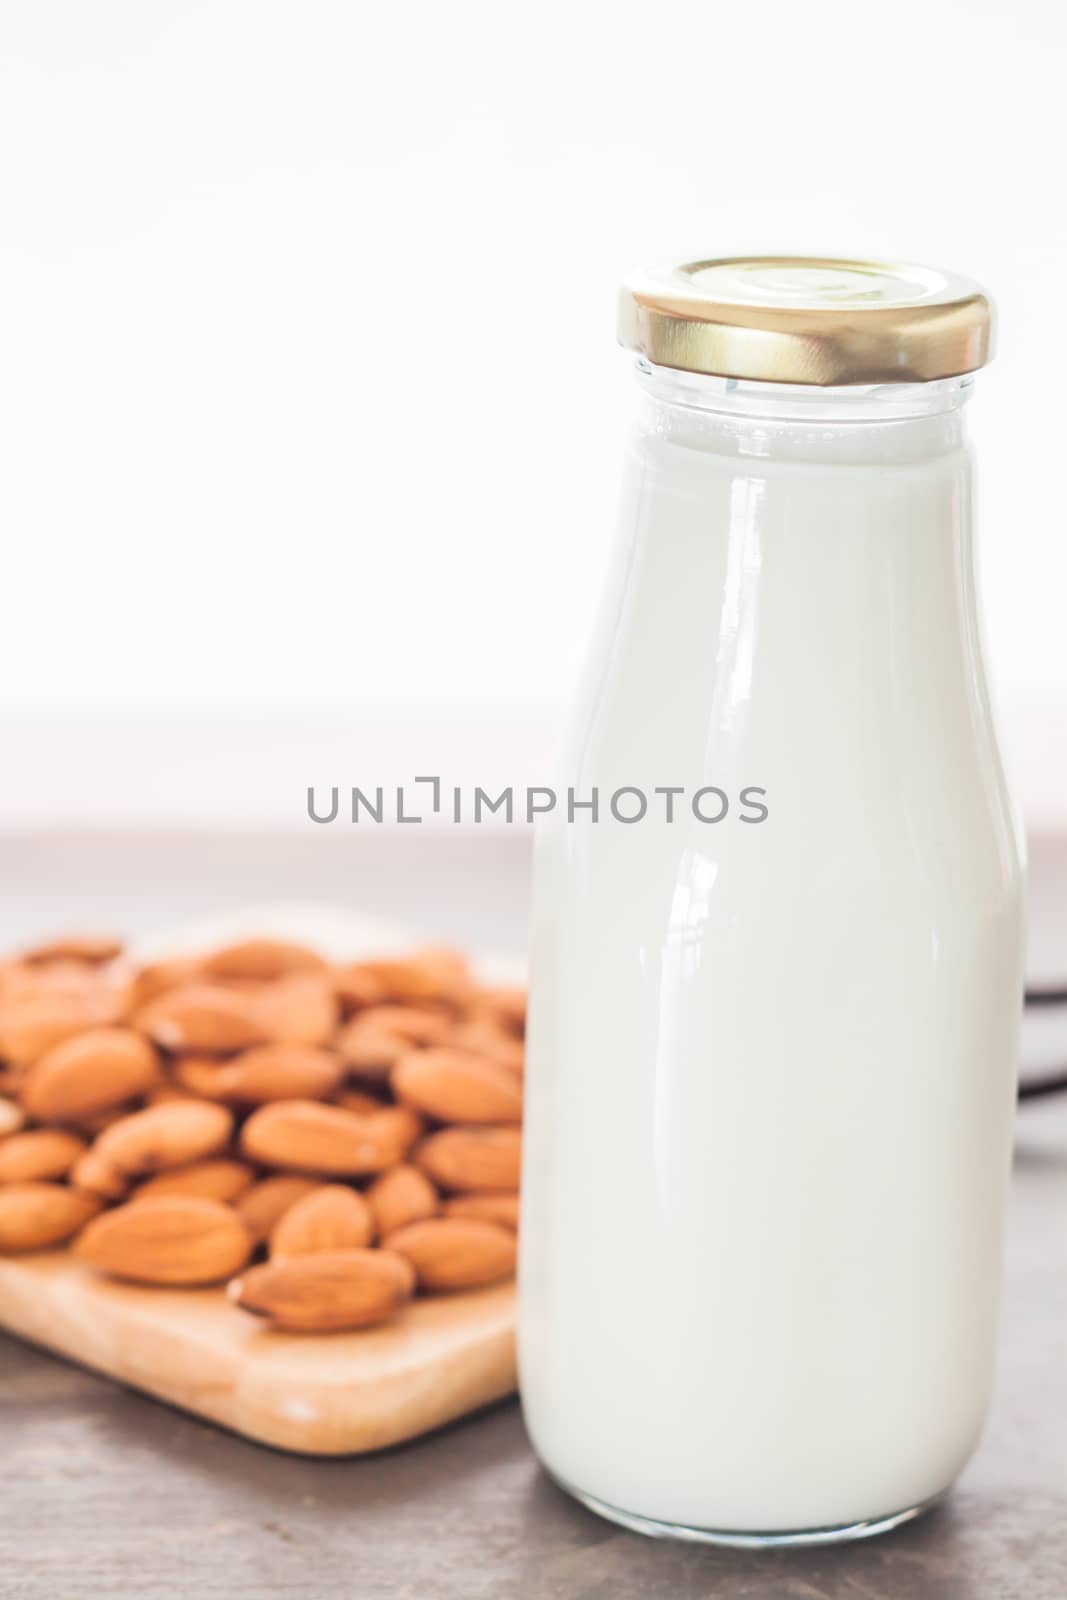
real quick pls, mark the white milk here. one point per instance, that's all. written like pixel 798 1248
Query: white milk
pixel 771 1065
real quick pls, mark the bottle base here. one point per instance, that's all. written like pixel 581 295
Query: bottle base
pixel 844 1533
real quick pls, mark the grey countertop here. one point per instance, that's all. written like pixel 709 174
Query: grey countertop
pixel 106 1493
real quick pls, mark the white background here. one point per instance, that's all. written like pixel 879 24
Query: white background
pixel 310 406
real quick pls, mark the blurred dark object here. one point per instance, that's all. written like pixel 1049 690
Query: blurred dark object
pixel 1043 1046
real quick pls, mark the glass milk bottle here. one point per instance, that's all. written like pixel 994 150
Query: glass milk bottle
pixel 776 978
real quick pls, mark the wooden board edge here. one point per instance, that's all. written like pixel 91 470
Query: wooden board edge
pixel 342 1417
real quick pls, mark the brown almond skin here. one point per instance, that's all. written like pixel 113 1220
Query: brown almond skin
pixel 162 977
pixel 201 1077
pixel 506 1003
pixel 12 1118
pixel 268 1072
pixel 331 1218
pixel 482 1036
pixel 73 983
pixel 92 949
pixel 372 1042
pixel 473 1159
pixel 164 1093
pixel 40 1155
pixel 436 973
pixel 369 1050
pixel 165 1136
pixel 219 1178
pixel 88 1074
pixel 502 1209
pixel 360 1100
pixel 300 1009
pixel 453 1086
pixel 172 1239
pixel 37 1023
pixel 261 960
pixel 400 1127
pixel 68 980
pixel 35 1216
pixel 456 1252
pixel 99 1177
pixel 356 987
pixel 306 1136
pixel 429 976
pixel 329 1292
pixel 204 1017
pixel 416 1024
pixel 90 1127
pixel 402 1195
pixel 260 1207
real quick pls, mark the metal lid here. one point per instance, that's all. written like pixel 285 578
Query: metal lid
pixel 807 319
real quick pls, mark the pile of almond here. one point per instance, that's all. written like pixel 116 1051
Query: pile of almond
pixel 357 1125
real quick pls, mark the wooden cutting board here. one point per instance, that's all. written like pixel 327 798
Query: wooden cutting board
pixel 320 1395
pixel 336 1394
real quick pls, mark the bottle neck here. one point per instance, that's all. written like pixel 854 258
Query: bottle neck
pixel 883 402
pixel 865 424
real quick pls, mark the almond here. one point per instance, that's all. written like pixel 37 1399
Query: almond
pixel 456 1087
pixel 355 987
pixel 306 1136
pixel 331 1218
pixel 483 1037
pixel 90 1127
pixel 370 1051
pixel 374 1041
pixel 473 1158
pixel 12 1118
pixel 260 960
pixel 71 980
pixel 90 1073
pixel 34 1216
pixel 260 1207
pixel 218 1179
pixel 359 1100
pixel 41 1154
pixel 165 1136
pixel 300 1009
pixel 329 1292
pixel 11 978
pixel 167 1239
pixel 204 1016
pixel 269 1072
pixel 401 1195
pixel 164 1093
pixel 162 977
pixel 89 948
pixel 37 1023
pixel 428 976
pixel 456 1252
pixel 506 1005
pixel 411 1023
pixel 499 1208
pixel 201 1077
pixel 96 1176
pixel 400 1127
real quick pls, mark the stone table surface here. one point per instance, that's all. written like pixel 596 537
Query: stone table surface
pixel 104 1492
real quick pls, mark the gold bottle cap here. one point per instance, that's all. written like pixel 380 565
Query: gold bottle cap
pixel 807 319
